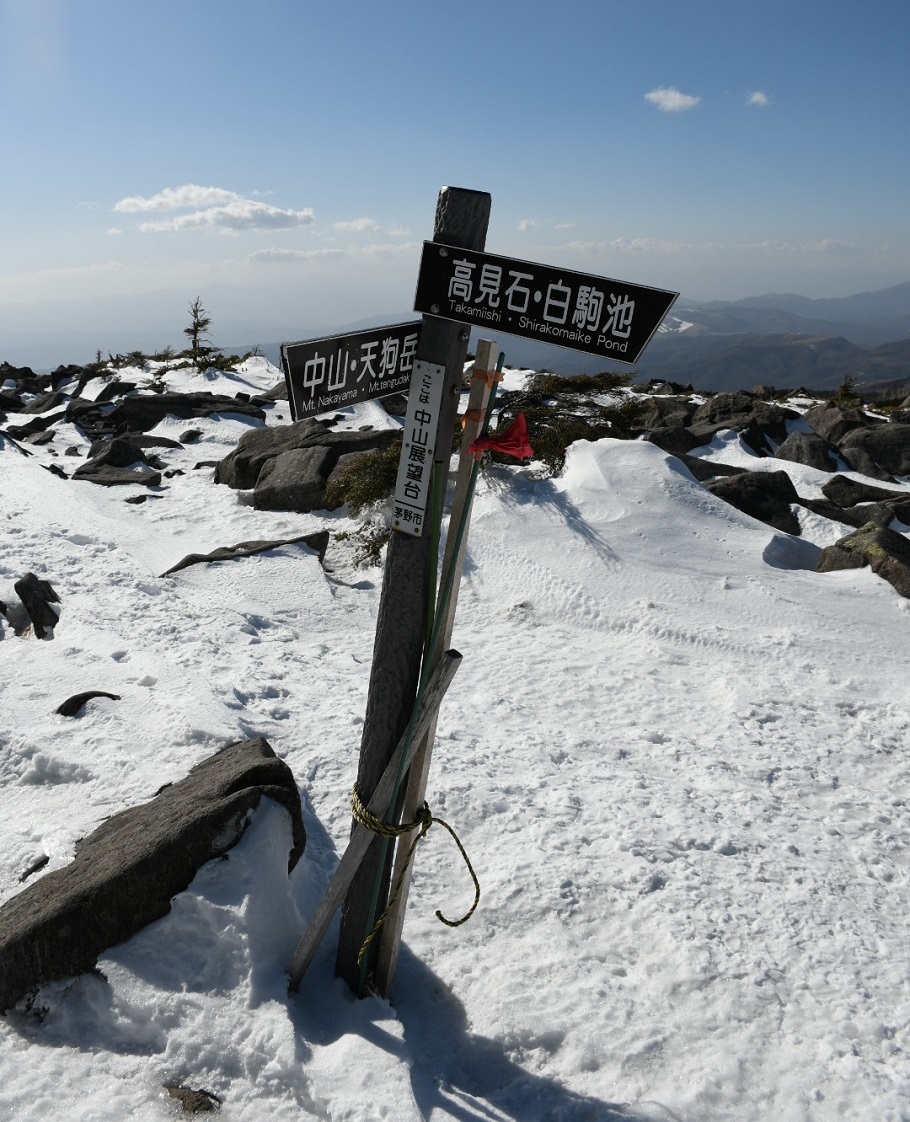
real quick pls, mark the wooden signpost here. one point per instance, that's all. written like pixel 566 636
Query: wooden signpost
pixel 459 284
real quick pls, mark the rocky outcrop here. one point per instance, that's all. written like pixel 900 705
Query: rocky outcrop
pixel 678 426
pixel 810 449
pixel 887 553
pixel 114 462
pixel 766 495
pixel 125 874
pixel 288 467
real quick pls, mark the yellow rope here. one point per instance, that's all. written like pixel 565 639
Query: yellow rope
pixel 423 822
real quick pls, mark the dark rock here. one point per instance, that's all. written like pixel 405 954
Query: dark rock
pixel 886 552
pixel 174 471
pixel 198 1101
pixel 36 424
pixel 73 451
pixel 832 422
pixel 142 412
pixel 44 402
pixel 242 468
pixel 660 387
pixel 677 440
pixel 835 512
pixel 294 480
pixel 37 596
pixel 847 492
pixel 107 476
pixel 765 495
pixel 810 449
pixel 69 373
pixel 140 440
pixel 396 404
pixel 115 389
pixel 125 874
pixel 758 423
pixel 45 436
pixel 111 463
pixel 190 436
pixel 887 446
pixel 667 412
pixel 10 402
pixel 703 470
pixel 278 392
pixel 27 381
pixel 54 469
pixel 72 705
pixel 317 541
pixel 118 451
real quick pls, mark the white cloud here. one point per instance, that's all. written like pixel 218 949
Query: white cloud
pixel 399 232
pixel 211 208
pixel 565 226
pixel 527 224
pixel 758 98
pixel 670 100
pixel 245 214
pixel 358 226
pixel 190 195
pixel 113 231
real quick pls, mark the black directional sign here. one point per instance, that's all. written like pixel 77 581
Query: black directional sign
pixel 340 370
pixel 609 318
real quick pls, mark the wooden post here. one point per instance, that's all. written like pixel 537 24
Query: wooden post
pixel 390 937
pixel 378 806
pixel 461 220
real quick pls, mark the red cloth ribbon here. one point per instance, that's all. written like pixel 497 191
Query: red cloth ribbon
pixel 512 441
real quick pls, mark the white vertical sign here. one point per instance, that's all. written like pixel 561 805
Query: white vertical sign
pixel 415 468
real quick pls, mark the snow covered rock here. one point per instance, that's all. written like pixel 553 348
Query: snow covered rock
pixel 126 872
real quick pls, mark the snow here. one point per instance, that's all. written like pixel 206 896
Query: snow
pixel 676 754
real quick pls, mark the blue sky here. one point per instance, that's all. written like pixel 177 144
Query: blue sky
pixel 282 158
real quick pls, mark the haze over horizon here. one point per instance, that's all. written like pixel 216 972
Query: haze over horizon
pixel 284 162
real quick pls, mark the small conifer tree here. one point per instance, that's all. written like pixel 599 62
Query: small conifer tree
pixel 199 352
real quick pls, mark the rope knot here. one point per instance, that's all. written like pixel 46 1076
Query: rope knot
pixel 424 820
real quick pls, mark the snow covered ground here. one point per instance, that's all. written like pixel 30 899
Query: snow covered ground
pixel 677 756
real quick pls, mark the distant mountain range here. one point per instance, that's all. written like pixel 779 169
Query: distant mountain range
pixel 779 339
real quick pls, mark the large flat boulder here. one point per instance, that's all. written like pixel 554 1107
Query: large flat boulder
pixel 125 874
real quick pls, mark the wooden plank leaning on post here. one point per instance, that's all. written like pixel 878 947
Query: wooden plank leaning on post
pixel 462 217
pixel 481 383
pixel 379 806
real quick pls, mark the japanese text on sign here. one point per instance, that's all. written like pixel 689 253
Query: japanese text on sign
pixel 418 445
pixel 331 373
pixel 605 317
